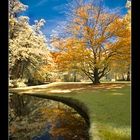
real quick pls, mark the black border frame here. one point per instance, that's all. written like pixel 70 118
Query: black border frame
pixel 4 69
pixel 135 51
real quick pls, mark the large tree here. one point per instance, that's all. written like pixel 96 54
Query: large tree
pixel 95 36
pixel 28 49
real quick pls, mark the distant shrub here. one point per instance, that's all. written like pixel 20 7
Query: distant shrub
pixel 17 83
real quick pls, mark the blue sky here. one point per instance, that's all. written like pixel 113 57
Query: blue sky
pixel 53 11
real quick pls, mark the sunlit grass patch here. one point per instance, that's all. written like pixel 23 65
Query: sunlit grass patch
pixel 111 133
pixel 117 93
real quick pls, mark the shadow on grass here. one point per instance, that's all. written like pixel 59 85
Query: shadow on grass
pixel 62 88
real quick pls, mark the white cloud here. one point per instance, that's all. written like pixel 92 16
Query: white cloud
pixel 41 3
pixel 60 7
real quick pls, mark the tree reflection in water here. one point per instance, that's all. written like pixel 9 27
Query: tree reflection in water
pixel 67 123
pixel 46 120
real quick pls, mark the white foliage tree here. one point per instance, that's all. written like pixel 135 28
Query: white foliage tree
pixel 27 44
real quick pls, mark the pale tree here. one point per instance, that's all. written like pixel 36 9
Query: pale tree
pixel 28 49
pixel 15 7
pixel 93 39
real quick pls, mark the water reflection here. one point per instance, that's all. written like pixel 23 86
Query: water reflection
pixel 44 120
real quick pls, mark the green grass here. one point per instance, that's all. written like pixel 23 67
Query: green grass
pixel 109 107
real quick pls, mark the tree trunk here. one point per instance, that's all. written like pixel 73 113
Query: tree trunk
pixel 128 76
pixel 15 72
pixel 123 77
pixel 74 76
pixel 23 66
pixel 96 77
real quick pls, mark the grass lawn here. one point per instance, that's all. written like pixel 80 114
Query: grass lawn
pixel 108 104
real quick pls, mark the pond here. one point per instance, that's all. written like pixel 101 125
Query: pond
pixel 33 118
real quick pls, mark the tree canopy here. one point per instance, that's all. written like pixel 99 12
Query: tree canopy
pixel 28 49
pixel 95 39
